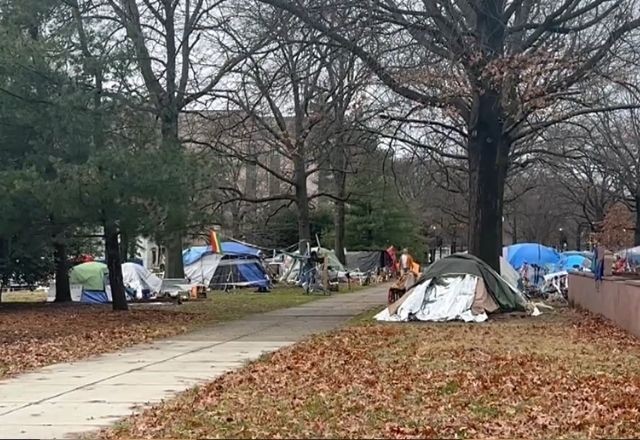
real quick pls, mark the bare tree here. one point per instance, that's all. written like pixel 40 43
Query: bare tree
pixel 285 93
pixel 502 69
pixel 616 148
pixel 182 54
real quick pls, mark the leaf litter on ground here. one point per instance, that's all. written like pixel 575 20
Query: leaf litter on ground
pixel 565 374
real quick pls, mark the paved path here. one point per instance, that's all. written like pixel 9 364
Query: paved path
pixel 66 399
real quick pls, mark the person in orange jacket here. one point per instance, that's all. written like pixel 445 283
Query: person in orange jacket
pixel 406 261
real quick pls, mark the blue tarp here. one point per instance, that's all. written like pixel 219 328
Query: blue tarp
pixel 569 262
pixel 531 253
pixel 94 297
pixel 254 273
pixel 586 254
pixel 231 248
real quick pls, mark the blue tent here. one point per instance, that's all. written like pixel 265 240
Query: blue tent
pixel 572 261
pixel 586 254
pixel 531 253
pixel 237 266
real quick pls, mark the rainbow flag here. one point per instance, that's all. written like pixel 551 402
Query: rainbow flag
pixel 215 244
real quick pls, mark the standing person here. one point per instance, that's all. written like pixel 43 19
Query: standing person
pixel 406 262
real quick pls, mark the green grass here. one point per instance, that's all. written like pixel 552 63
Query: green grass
pixel 221 306
pixel 366 317
pixel 23 296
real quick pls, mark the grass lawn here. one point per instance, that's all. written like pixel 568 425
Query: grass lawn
pixel 564 374
pixel 33 335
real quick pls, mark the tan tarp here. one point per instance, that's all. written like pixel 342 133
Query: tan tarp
pixel 483 302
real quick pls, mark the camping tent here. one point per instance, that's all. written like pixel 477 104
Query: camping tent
pixel 92 277
pixel 457 287
pixel 368 261
pixel 573 262
pixel 632 255
pixel 293 263
pixel 237 266
pixel 139 280
pixel 531 253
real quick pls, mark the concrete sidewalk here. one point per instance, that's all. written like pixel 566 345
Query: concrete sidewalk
pixel 73 398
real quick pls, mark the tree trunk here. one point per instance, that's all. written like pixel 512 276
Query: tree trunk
pixel 636 235
pixel 170 140
pixel 125 245
pixel 339 226
pixel 488 163
pixel 112 248
pixel 4 264
pixel 63 288
pixel 302 204
pixel 175 266
pixel 340 211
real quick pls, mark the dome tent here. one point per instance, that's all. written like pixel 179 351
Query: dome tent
pixel 531 253
pixel 237 266
pixel 457 287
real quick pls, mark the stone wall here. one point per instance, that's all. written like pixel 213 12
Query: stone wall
pixel 616 298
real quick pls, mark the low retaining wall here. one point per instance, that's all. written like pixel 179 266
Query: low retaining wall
pixel 616 298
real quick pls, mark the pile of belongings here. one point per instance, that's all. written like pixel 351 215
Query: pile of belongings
pixel 458 287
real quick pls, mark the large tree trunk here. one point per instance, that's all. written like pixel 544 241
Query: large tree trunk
pixel 170 140
pixel 488 149
pixel 488 163
pixel 63 288
pixel 125 246
pixel 339 226
pixel 302 205
pixel 112 248
pixel 4 264
pixel 340 210
pixel 636 237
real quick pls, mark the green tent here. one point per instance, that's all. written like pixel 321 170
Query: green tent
pixel 90 275
pixel 460 264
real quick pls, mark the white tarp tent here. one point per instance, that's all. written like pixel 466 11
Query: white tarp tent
pixel 510 275
pixel 202 270
pixel 138 278
pixel 452 298
pixel 459 287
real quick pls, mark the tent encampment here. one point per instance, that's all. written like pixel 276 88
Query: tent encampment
pixel 237 266
pixel 458 287
pixel 294 261
pixel 368 261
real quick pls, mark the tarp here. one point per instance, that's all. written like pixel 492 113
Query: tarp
pixel 140 280
pixel 632 255
pixel 451 298
pixel 91 276
pixel 237 266
pixel 201 271
pixel 531 253
pixel 95 297
pixel 505 296
pixel 572 261
pixel 239 272
pixel 230 248
pixel 367 261
pixel 293 263
pixel 456 287
pixel 509 274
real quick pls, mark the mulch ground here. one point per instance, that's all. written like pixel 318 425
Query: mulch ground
pixel 565 374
